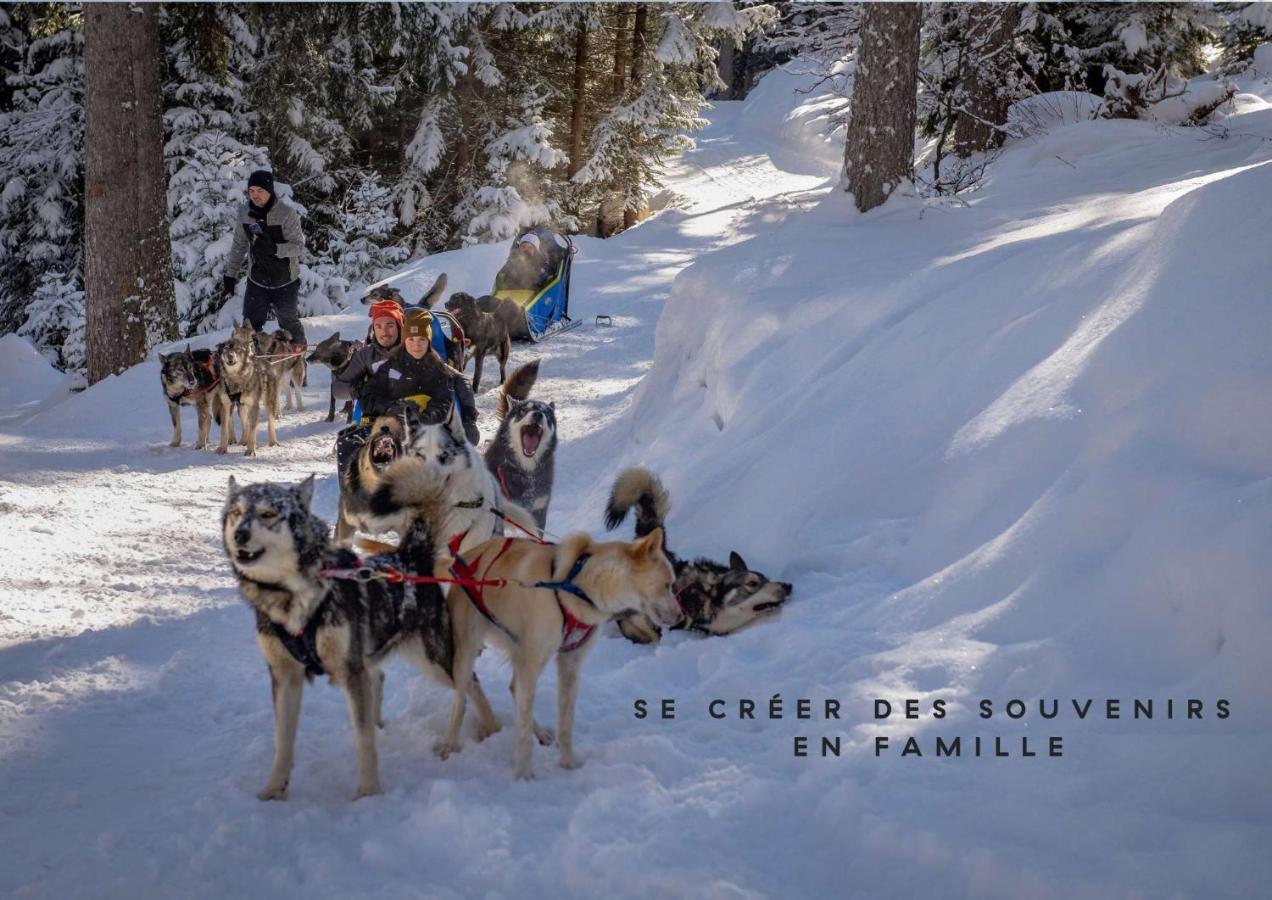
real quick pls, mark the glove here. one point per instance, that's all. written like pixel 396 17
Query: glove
pixel 227 286
pixel 264 243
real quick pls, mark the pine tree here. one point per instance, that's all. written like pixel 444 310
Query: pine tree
pixel 208 153
pixel 879 152
pixel 358 249
pixel 42 172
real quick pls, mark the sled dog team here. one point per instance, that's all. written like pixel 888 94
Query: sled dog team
pixel 471 568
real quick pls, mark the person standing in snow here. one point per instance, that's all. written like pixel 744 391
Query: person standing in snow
pixel 270 230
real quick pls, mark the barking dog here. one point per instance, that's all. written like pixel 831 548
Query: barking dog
pixel 288 365
pixel 246 381
pixel 714 598
pixel 551 602
pixel 362 475
pixel 335 355
pixel 312 621
pixel 440 455
pixel 488 334
pixel 522 457
pixel 189 378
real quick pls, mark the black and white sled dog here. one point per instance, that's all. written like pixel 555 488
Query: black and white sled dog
pixel 335 355
pixel 522 456
pixel 246 382
pixel 714 598
pixel 189 378
pixel 440 455
pixel 313 619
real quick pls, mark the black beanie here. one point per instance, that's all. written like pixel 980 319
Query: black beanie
pixel 262 178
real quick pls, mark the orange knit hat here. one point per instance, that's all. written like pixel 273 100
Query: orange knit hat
pixel 388 308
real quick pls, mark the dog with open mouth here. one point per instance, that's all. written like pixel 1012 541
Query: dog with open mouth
pixel 362 475
pixel 522 456
pixel 439 454
pixel 714 598
pixel 320 610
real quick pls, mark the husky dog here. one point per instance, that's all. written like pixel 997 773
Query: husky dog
pixel 440 455
pixel 522 455
pixel 287 363
pixel 248 382
pixel 361 476
pixel 488 334
pixel 189 378
pixel 551 601
pixel 335 355
pixel 311 620
pixel 713 598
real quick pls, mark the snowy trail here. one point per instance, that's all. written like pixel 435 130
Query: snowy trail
pixel 1000 448
pixel 134 715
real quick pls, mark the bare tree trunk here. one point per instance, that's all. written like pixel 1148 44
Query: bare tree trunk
pixel 576 111
pixel 724 66
pixel 620 52
pixel 638 72
pixel 129 298
pixel 991 30
pixel 879 151
pixel 638 43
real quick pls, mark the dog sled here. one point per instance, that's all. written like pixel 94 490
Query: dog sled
pixel 547 306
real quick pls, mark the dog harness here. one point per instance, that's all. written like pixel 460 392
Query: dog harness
pixel 466 577
pixel 303 647
pixel 210 366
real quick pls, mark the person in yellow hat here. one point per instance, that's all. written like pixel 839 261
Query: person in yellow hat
pixel 416 374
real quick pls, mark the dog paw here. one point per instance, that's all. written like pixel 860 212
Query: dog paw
pixel 570 761
pixel 445 748
pixel 485 731
pixel 368 790
pixel 526 774
pixel 544 736
pixel 273 792
pixel 176 443
pixel 273 443
pixel 249 452
pixel 201 446
pixel 222 450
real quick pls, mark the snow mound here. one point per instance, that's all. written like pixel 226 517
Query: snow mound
pixel 28 381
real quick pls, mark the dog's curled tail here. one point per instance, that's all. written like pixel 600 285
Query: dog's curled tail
pixel 518 386
pixel 409 486
pixel 642 489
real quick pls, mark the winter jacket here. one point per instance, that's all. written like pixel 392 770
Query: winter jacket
pixel 431 384
pixel 275 254
pixel 363 364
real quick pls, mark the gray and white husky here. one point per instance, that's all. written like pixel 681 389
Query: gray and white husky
pixel 714 598
pixel 311 619
pixel 189 378
pixel 246 381
pixel 438 455
pixel 522 456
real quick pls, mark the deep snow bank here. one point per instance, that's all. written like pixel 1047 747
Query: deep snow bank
pixel 1016 449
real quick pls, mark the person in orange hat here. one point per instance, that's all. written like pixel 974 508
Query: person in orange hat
pixel 386 337
pixel 416 374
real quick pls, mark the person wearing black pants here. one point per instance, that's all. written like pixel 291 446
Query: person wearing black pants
pixel 269 229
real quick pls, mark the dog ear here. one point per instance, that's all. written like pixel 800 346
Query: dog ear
pixel 163 358
pixel 652 543
pixel 737 563
pixel 233 485
pixel 335 337
pixel 305 490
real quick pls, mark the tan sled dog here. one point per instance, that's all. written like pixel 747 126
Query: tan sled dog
pixel 551 602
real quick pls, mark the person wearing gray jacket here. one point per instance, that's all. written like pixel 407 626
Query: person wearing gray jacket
pixel 269 230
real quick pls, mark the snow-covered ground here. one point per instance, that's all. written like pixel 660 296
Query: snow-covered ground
pixel 1019 447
